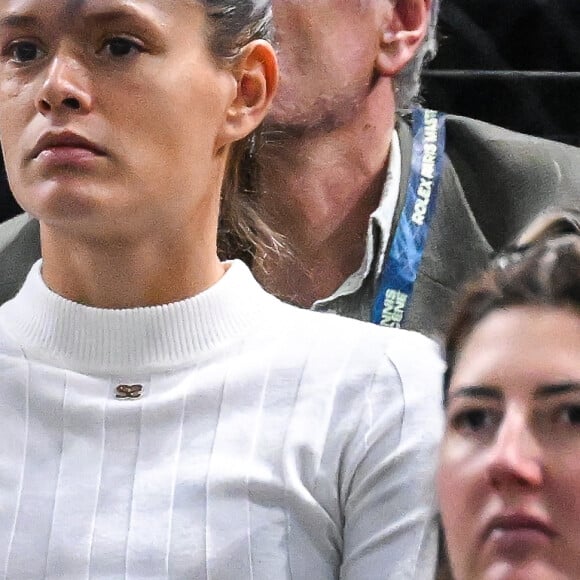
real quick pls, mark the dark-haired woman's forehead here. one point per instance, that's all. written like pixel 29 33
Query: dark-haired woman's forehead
pixel 523 350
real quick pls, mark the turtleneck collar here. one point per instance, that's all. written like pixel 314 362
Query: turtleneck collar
pixel 99 341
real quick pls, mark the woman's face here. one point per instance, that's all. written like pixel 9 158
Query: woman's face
pixel 509 478
pixel 110 109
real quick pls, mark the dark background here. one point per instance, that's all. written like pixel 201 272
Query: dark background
pixel 483 45
pixel 539 36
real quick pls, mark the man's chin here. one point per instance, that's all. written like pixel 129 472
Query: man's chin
pixel 288 128
pixel 326 114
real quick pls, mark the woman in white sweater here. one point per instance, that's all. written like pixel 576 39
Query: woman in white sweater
pixel 160 415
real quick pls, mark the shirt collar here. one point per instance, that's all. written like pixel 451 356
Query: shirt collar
pixel 66 334
pixel 380 222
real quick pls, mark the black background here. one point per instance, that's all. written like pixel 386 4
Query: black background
pixel 511 35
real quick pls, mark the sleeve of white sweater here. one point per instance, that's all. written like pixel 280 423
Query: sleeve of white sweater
pixel 390 530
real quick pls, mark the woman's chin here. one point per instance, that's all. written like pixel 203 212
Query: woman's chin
pixel 524 570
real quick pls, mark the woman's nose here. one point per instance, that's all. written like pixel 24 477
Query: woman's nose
pixel 65 88
pixel 516 457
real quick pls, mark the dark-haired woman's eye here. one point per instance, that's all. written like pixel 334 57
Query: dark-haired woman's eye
pixel 571 415
pixel 475 420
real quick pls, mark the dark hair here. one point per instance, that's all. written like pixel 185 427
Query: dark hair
pixel 542 268
pixel 242 233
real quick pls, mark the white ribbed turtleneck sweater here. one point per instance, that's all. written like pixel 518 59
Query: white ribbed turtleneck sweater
pixel 268 442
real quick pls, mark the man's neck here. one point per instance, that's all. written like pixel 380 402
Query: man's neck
pixel 320 192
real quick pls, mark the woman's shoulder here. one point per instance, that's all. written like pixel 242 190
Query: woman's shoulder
pixel 340 329
pixel 405 359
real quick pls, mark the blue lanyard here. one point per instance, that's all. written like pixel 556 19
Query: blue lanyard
pixel 402 265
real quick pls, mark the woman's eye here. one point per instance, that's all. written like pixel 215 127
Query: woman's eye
pixel 571 415
pixel 119 47
pixel 24 51
pixel 473 420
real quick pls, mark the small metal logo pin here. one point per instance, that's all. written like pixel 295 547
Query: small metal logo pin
pixel 129 391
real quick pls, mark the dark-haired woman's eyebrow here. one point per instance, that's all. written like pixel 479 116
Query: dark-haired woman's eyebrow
pixel 554 390
pixel 477 391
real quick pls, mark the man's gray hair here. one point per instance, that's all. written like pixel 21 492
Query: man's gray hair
pixel 408 81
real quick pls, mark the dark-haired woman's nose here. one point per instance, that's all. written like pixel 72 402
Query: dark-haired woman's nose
pixel 515 458
pixel 66 88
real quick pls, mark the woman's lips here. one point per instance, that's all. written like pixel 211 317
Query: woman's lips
pixel 517 534
pixel 65 147
pixel 66 155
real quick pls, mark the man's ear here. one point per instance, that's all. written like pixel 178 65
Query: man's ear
pixel 256 75
pixel 404 28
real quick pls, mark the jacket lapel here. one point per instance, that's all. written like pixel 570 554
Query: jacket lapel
pixel 17 258
pixel 456 249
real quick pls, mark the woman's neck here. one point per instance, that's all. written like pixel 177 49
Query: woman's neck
pixel 127 272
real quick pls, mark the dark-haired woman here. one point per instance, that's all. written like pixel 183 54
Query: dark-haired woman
pixel 160 415
pixel 509 476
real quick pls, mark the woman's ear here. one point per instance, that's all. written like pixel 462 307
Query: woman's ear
pixel 403 30
pixel 256 74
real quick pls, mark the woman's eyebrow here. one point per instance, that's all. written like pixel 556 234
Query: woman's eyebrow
pixel 479 391
pixel 18 21
pixel 144 20
pixel 110 14
pixel 563 388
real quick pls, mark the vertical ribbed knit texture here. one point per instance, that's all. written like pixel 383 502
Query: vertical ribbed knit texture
pixel 269 442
